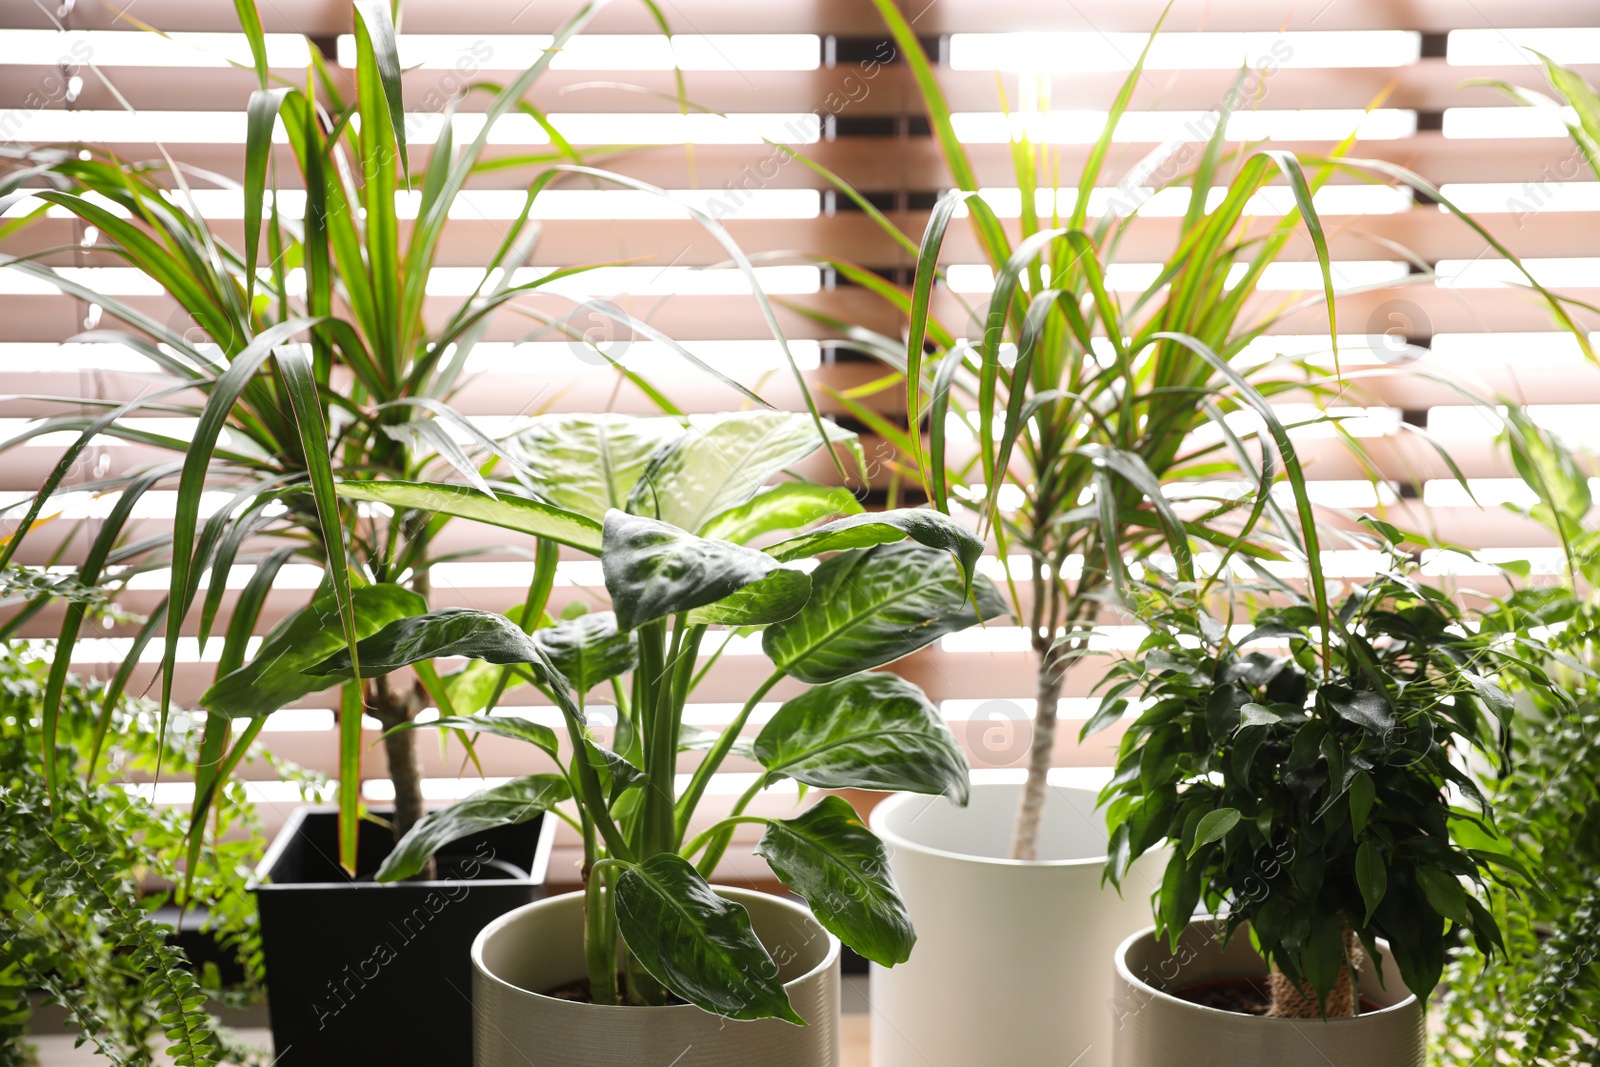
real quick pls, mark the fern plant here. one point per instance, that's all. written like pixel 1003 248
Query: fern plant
pixel 80 881
pixel 1540 1004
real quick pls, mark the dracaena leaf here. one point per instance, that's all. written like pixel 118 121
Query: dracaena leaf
pixel 842 870
pixel 697 944
pixel 506 804
pixel 872 606
pixel 870 731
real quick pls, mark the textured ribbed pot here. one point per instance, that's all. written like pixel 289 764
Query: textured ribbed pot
pixel 1010 962
pixel 1156 1029
pixel 540 947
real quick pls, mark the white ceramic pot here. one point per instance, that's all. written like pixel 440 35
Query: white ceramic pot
pixel 1011 964
pixel 1156 1029
pixel 540 946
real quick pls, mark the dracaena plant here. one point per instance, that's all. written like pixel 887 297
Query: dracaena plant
pixel 1099 407
pixel 1307 778
pixel 669 512
pixel 316 353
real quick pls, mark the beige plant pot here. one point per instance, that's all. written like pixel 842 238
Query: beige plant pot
pixel 540 946
pixel 1153 1028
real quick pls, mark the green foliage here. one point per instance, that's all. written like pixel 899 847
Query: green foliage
pixel 1539 1003
pixel 79 881
pixel 859 609
pixel 1304 791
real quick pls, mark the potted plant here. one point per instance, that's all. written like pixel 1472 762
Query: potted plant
pixel 285 383
pixel 649 958
pixel 1099 414
pixel 1307 777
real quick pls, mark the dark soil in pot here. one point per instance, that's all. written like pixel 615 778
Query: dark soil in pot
pixel 1242 996
pixel 579 990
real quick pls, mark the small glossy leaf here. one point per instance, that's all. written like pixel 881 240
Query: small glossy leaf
pixel 1214 825
pixel 1372 876
pixel 653 570
pixel 697 944
pixel 1363 792
pixel 870 731
pixel 1444 892
pixel 718 466
pixel 872 606
pixel 1370 711
pixel 924 526
pixel 1258 715
pixel 588 649
pixel 281 670
pixel 506 804
pixel 842 870
pixel 786 506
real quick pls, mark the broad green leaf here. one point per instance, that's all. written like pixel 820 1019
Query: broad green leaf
pixel 588 649
pixel 1214 826
pixel 1363 792
pixel 589 463
pixel 536 734
pixel 653 570
pixel 870 731
pixel 470 689
pixel 766 600
pixel 718 466
pixel 281 670
pixel 510 512
pixel 697 944
pixel 842 870
pixel 506 804
pixel 439 633
pixel 871 607
pixel 1372 876
pixel 786 506
pixel 924 526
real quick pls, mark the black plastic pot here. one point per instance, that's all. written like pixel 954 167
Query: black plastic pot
pixel 359 972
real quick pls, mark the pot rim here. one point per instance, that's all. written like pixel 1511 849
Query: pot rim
pixel 879 819
pixel 830 958
pixel 260 880
pixel 1406 1003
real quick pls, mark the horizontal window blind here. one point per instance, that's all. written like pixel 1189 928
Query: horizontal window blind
pixel 822 78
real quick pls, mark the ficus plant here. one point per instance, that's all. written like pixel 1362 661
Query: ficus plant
pixel 1112 416
pixel 670 512
pixel 1306 777
pixel 310 346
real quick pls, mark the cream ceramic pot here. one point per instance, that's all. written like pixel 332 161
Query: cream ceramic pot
pixel 1156 1029
pixel 540 946
pixel 1011 964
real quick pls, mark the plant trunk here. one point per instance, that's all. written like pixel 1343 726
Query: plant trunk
pixel 1041 754
pixel 1300 1002
pixel 394 707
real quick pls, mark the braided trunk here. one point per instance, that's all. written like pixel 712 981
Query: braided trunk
pixel 1300 1002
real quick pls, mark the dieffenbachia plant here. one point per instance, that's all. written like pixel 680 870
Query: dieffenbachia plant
pixel 670 513
pixel 1306 776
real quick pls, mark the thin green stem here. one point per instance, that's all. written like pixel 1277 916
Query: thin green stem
pixel 708 863
pixel 708 767
pixel 702 839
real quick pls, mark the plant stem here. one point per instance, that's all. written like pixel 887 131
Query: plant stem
pixel 719 845
pixel 600 936
pixel 719 752
pixel 393 707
